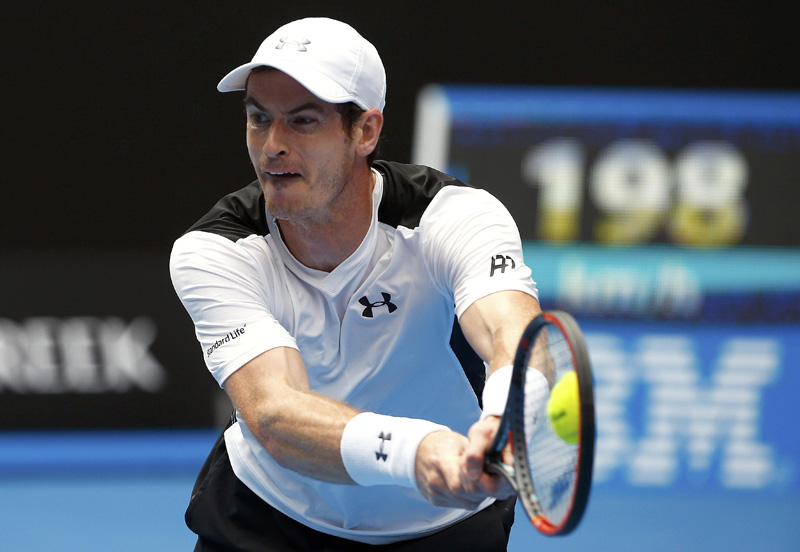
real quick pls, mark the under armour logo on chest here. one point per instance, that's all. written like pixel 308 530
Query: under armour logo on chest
pixel 299 43
pixel 369 306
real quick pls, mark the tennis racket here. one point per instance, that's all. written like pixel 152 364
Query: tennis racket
pixel 551 474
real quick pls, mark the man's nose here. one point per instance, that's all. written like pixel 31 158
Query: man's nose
pixel 275 143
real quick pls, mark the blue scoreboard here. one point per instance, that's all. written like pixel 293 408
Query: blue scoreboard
pixel 666 222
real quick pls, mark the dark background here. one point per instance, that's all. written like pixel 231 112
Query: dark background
pixel 116 141
pixel 116 137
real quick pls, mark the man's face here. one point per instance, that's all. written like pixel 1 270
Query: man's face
pixel 299 149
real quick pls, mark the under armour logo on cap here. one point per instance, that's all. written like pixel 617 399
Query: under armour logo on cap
pixel 299 43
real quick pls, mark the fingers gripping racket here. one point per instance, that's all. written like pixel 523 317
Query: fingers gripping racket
pixel 552 439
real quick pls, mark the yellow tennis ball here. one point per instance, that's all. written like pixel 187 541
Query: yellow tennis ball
pixel 563 408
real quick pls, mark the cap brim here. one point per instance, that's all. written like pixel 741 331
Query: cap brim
pixel 236 79
pixel 315 82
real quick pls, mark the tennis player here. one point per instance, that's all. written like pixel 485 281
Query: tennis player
pixel 324 296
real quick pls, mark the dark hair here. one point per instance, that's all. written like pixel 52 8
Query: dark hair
pixel 350 113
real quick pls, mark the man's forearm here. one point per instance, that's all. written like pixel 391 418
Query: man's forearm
pixel 302 431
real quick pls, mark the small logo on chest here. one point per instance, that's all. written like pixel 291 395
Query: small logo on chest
pixel 369 306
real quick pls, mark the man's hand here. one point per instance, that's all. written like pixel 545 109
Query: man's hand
pixel 440 471
pixel 449 468
pixel 481 436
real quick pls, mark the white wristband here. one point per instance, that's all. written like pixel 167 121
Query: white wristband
pixel 495 392
pixel 537 392
pixel 382 450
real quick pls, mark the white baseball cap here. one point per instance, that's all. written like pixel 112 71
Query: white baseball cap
pixel 328 57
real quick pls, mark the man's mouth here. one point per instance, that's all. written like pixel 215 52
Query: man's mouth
pixel 281 176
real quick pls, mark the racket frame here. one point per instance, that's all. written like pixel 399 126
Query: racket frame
pixel 512 427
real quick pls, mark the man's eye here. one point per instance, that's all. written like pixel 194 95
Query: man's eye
pixel 257 118
pixel 304 121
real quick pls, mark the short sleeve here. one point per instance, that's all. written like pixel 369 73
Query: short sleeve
pixel 472 246
pixel 226 292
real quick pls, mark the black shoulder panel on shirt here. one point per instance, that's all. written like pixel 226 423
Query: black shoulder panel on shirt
pixel 408 190
pixel 237 215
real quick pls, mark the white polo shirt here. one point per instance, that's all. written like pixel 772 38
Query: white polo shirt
pixel 373 333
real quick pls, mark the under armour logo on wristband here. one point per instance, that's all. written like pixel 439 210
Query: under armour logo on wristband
pixel 368 306
pixel 299 43
pixel 379 454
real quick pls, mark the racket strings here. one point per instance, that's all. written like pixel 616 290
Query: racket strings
pixel 552 461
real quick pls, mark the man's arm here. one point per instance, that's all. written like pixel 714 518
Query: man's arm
pixel 493 325
pixel 300 429
pixel 320 437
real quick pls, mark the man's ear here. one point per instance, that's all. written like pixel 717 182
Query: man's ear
pixel 370 124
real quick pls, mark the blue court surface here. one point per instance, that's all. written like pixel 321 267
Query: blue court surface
pixel 127 492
